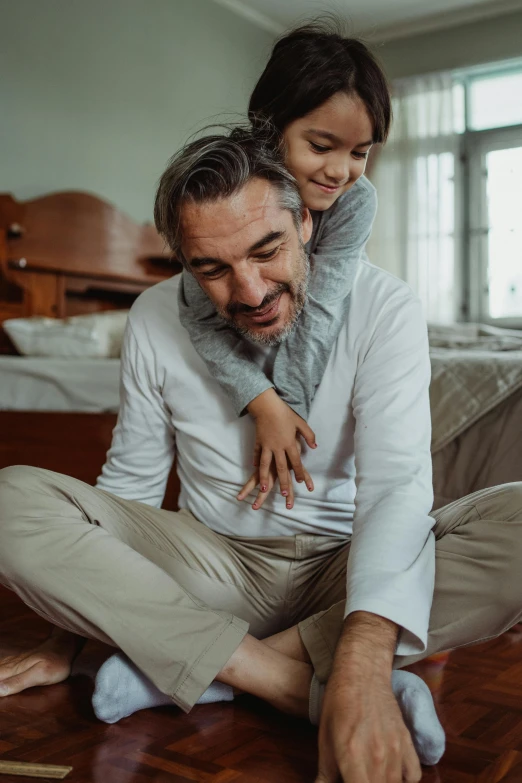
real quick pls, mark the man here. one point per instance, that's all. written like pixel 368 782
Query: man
pixel 178 592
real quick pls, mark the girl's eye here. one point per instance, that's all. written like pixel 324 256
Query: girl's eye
pixel 318 147
pixel 360 155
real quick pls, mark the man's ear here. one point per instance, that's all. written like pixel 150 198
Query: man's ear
pixel 306 225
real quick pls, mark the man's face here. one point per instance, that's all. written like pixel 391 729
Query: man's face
pixel 249 258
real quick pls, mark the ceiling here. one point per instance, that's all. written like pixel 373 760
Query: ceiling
pixel 376 18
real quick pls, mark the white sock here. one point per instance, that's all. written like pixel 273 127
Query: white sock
pixel 418 711
pixel 120 689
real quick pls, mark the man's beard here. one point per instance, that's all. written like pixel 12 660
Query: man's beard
pixel 296 289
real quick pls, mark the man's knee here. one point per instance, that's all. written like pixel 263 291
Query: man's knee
pixel 502 503
pixel 512 499
pixel 508 515
pixel 18 483
pixel 22 476
pixel 15 484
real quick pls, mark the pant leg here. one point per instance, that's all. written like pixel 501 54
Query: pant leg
pixel 159 585
pixel 478 579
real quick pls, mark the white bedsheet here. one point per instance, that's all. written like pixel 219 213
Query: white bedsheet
pixel 43 384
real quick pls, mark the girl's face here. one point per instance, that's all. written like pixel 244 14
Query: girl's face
pixel 327 149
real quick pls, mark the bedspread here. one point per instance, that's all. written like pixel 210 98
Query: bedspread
pixel 474 369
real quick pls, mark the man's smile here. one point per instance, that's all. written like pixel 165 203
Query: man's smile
pixel 268 314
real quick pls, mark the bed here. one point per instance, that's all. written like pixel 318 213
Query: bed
pixel 476 408
pixel 65 255
pixel 34 383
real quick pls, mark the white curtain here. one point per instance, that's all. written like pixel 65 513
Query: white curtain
pixel 417 175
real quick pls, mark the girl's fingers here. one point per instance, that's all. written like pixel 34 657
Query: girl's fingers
pixel 259 501
pixel 308 481
pixel 248 487
pixel 257 455
pixel 290 496
pixel 264 469
pixel 307 433
pixel 262 496
pixel 294 457
pixel 282 472
pixel 301 474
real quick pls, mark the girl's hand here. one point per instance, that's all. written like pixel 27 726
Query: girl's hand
pixel 277 449
pixel 254 482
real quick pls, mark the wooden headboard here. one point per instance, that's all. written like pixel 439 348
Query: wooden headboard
pixel 71 253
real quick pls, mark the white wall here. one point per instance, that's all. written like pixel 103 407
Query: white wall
pixel 97 94
pixel 475 43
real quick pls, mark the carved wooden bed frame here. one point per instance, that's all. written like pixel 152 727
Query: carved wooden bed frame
pixel 68 254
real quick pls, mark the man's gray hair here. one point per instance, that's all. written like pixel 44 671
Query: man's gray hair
pixel 215 167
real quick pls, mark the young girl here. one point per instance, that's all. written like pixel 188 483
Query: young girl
pixel 328 101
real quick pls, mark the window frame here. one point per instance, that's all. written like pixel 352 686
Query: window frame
pixel 470 199
pixel 476 145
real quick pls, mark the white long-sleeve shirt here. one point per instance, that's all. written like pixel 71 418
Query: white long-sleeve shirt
pixel 371 470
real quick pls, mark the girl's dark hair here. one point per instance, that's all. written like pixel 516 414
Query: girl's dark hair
pixel 307 67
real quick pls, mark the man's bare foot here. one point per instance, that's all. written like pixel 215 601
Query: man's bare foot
pixel 46 664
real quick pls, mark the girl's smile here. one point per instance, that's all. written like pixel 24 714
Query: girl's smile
pixel 326 188
pixel 326 150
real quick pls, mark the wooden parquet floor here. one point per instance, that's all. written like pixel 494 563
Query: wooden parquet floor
pixel 478 690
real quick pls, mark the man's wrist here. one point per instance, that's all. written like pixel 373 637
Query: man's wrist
pixel 367 645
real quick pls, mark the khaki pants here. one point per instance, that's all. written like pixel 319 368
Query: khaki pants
pixel 178 598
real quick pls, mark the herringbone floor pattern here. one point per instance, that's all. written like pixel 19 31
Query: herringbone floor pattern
pixel 479 691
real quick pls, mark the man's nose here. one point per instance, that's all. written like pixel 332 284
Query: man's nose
pixel 249 288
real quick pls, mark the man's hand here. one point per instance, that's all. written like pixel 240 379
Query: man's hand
pixel 277 449
pixel 46 664
pixel 362 737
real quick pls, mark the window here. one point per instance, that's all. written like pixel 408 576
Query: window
pixel 450 194
pixel 434 237
pixel 504 199
pixel 492 200
pixel 495 208
pixel 495 101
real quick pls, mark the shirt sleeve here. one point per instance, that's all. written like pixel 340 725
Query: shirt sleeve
pixel 391 565
pixel 221 348
pixel 301 359
pixel 142 450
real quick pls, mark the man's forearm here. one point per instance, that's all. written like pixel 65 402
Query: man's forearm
pixel 366 647
pixel 362 734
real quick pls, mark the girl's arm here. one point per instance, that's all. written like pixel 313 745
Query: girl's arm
pixel 337 245
pixel 336 251
pixel 220 347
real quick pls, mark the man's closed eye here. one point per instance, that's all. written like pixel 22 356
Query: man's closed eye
pixel 269 255
pixel 213 274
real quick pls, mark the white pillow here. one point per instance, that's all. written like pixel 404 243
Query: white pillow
pixel 97 335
